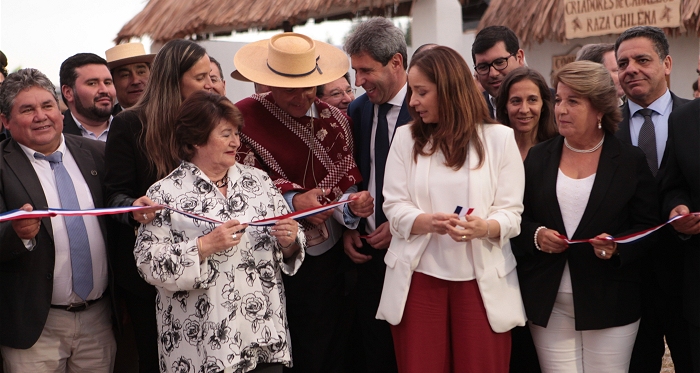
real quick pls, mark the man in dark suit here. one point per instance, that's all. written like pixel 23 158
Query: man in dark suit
pixel 377 52
pixel 88 91
pixel 644 63
pixel 495 52
pixel 54 315
pixel 680 188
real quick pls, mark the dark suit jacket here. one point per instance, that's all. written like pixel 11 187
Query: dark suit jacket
pixel 665 267
pixel 680 185
pixel 27 276
pixel 69 125
pixel 622 201
pixel 361 111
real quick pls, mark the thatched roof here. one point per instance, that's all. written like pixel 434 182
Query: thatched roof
pixel 535 21
pixel 163 20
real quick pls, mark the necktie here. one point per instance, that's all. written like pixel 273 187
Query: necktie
pixel 647 140
pixel 381 151
pixel 80 258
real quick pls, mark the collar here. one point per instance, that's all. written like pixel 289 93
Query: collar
pixel 400 96
pixel 30 152
pixel 83 129
pixel 662 105
pixel 313 111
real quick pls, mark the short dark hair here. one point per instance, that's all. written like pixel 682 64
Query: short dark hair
pixel 490 36
pixel 695 85
pixel 594 52
pixel 546 128
pixel 198 116
pixel 218 65
pixel 19 81
pixel 379 38
pixel 655 34
pixel 68 75
pixel 320 91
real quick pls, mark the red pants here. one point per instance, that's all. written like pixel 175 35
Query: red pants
pixel 444 329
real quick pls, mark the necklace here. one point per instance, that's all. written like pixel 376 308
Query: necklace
pixel 591 150
pixel 221 183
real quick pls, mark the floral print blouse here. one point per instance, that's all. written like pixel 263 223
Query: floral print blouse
pixel 228 311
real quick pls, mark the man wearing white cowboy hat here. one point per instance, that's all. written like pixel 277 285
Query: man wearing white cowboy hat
pixel 306 146
pixel 130 66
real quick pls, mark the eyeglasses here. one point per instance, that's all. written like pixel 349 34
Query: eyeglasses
pixel 338 94
pixel 498 64
pixel 214 79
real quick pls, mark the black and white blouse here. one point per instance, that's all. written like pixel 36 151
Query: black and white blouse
pixel 228 311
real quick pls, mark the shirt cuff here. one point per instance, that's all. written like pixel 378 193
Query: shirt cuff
pixel 289 196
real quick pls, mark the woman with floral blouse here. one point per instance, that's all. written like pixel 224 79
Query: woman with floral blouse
pixel 220 303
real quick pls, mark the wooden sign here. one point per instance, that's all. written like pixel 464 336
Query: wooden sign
pixel 585 18
pixel 559 61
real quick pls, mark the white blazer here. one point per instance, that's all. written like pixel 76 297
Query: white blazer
pixel 495 191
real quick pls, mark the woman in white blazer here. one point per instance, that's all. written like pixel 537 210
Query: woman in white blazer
pixel 451 291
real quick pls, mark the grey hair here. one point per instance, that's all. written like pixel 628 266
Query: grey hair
pixel 594 52
pixel 19 81
pixel 379 38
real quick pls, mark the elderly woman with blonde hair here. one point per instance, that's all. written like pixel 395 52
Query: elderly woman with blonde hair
pixel 583 299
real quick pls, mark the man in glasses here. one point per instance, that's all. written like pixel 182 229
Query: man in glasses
pixel 337 93
pixel 495 52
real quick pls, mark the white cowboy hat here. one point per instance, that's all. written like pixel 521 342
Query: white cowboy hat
pixel 290 60
pixel 124 54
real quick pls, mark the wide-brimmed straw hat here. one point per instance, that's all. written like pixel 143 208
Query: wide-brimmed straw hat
pixel 290 60
pixel 124 54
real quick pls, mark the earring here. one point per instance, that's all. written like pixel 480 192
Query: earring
pixel 600 126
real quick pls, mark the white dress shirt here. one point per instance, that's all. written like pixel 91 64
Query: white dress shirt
pixel 63 274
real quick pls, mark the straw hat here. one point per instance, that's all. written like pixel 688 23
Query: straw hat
pixel 124 54
pixel 290 60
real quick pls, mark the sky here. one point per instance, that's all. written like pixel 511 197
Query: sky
pixel 43 33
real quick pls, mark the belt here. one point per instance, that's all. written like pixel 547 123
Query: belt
pixel 76 307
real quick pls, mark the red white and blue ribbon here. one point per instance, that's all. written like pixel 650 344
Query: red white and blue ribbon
pixel 634 236
pixel 51 212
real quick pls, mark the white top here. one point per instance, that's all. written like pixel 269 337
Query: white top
pixel 572 195
pixel 443 257
pixel 62 271
pixel 391 117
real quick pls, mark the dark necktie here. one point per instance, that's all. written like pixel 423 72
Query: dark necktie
pixel 80 258
pixel 381 151
pixel 647 140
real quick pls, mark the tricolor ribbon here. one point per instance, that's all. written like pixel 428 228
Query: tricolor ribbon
pixel 631 237
pixel 51 212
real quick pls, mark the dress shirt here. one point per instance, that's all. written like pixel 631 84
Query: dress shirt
pixel 63 276
pixel 91 135
pixel 392 117
pixel 493 105
pixel 662 109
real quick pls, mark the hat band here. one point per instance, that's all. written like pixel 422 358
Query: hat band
pixel 296 75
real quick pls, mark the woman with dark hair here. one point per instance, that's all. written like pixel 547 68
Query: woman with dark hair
pixel 451 291
pixel 525 104
pixel 583 299
pixel 141 149
pixel 220 303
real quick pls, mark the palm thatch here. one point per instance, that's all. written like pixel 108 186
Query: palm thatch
pixel 164 20
pixel 535 21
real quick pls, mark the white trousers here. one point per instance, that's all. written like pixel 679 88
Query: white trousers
pixel 562 348
pixel 72 342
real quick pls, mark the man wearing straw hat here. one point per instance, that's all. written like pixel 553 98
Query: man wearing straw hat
pixel 130 67
pixel 306 146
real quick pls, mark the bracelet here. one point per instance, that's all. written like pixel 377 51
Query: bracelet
pixel 286 247
pixel 488 231
pixel 536 232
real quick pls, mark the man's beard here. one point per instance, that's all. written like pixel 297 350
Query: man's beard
pixel 93 112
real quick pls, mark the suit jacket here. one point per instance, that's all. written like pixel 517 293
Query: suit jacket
pixel 495 192
pixel 69 125
pixel 27 276
pixel 361 111
pixel 665 267
pixel 680 185
pixel 488 104
pixel 623 200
